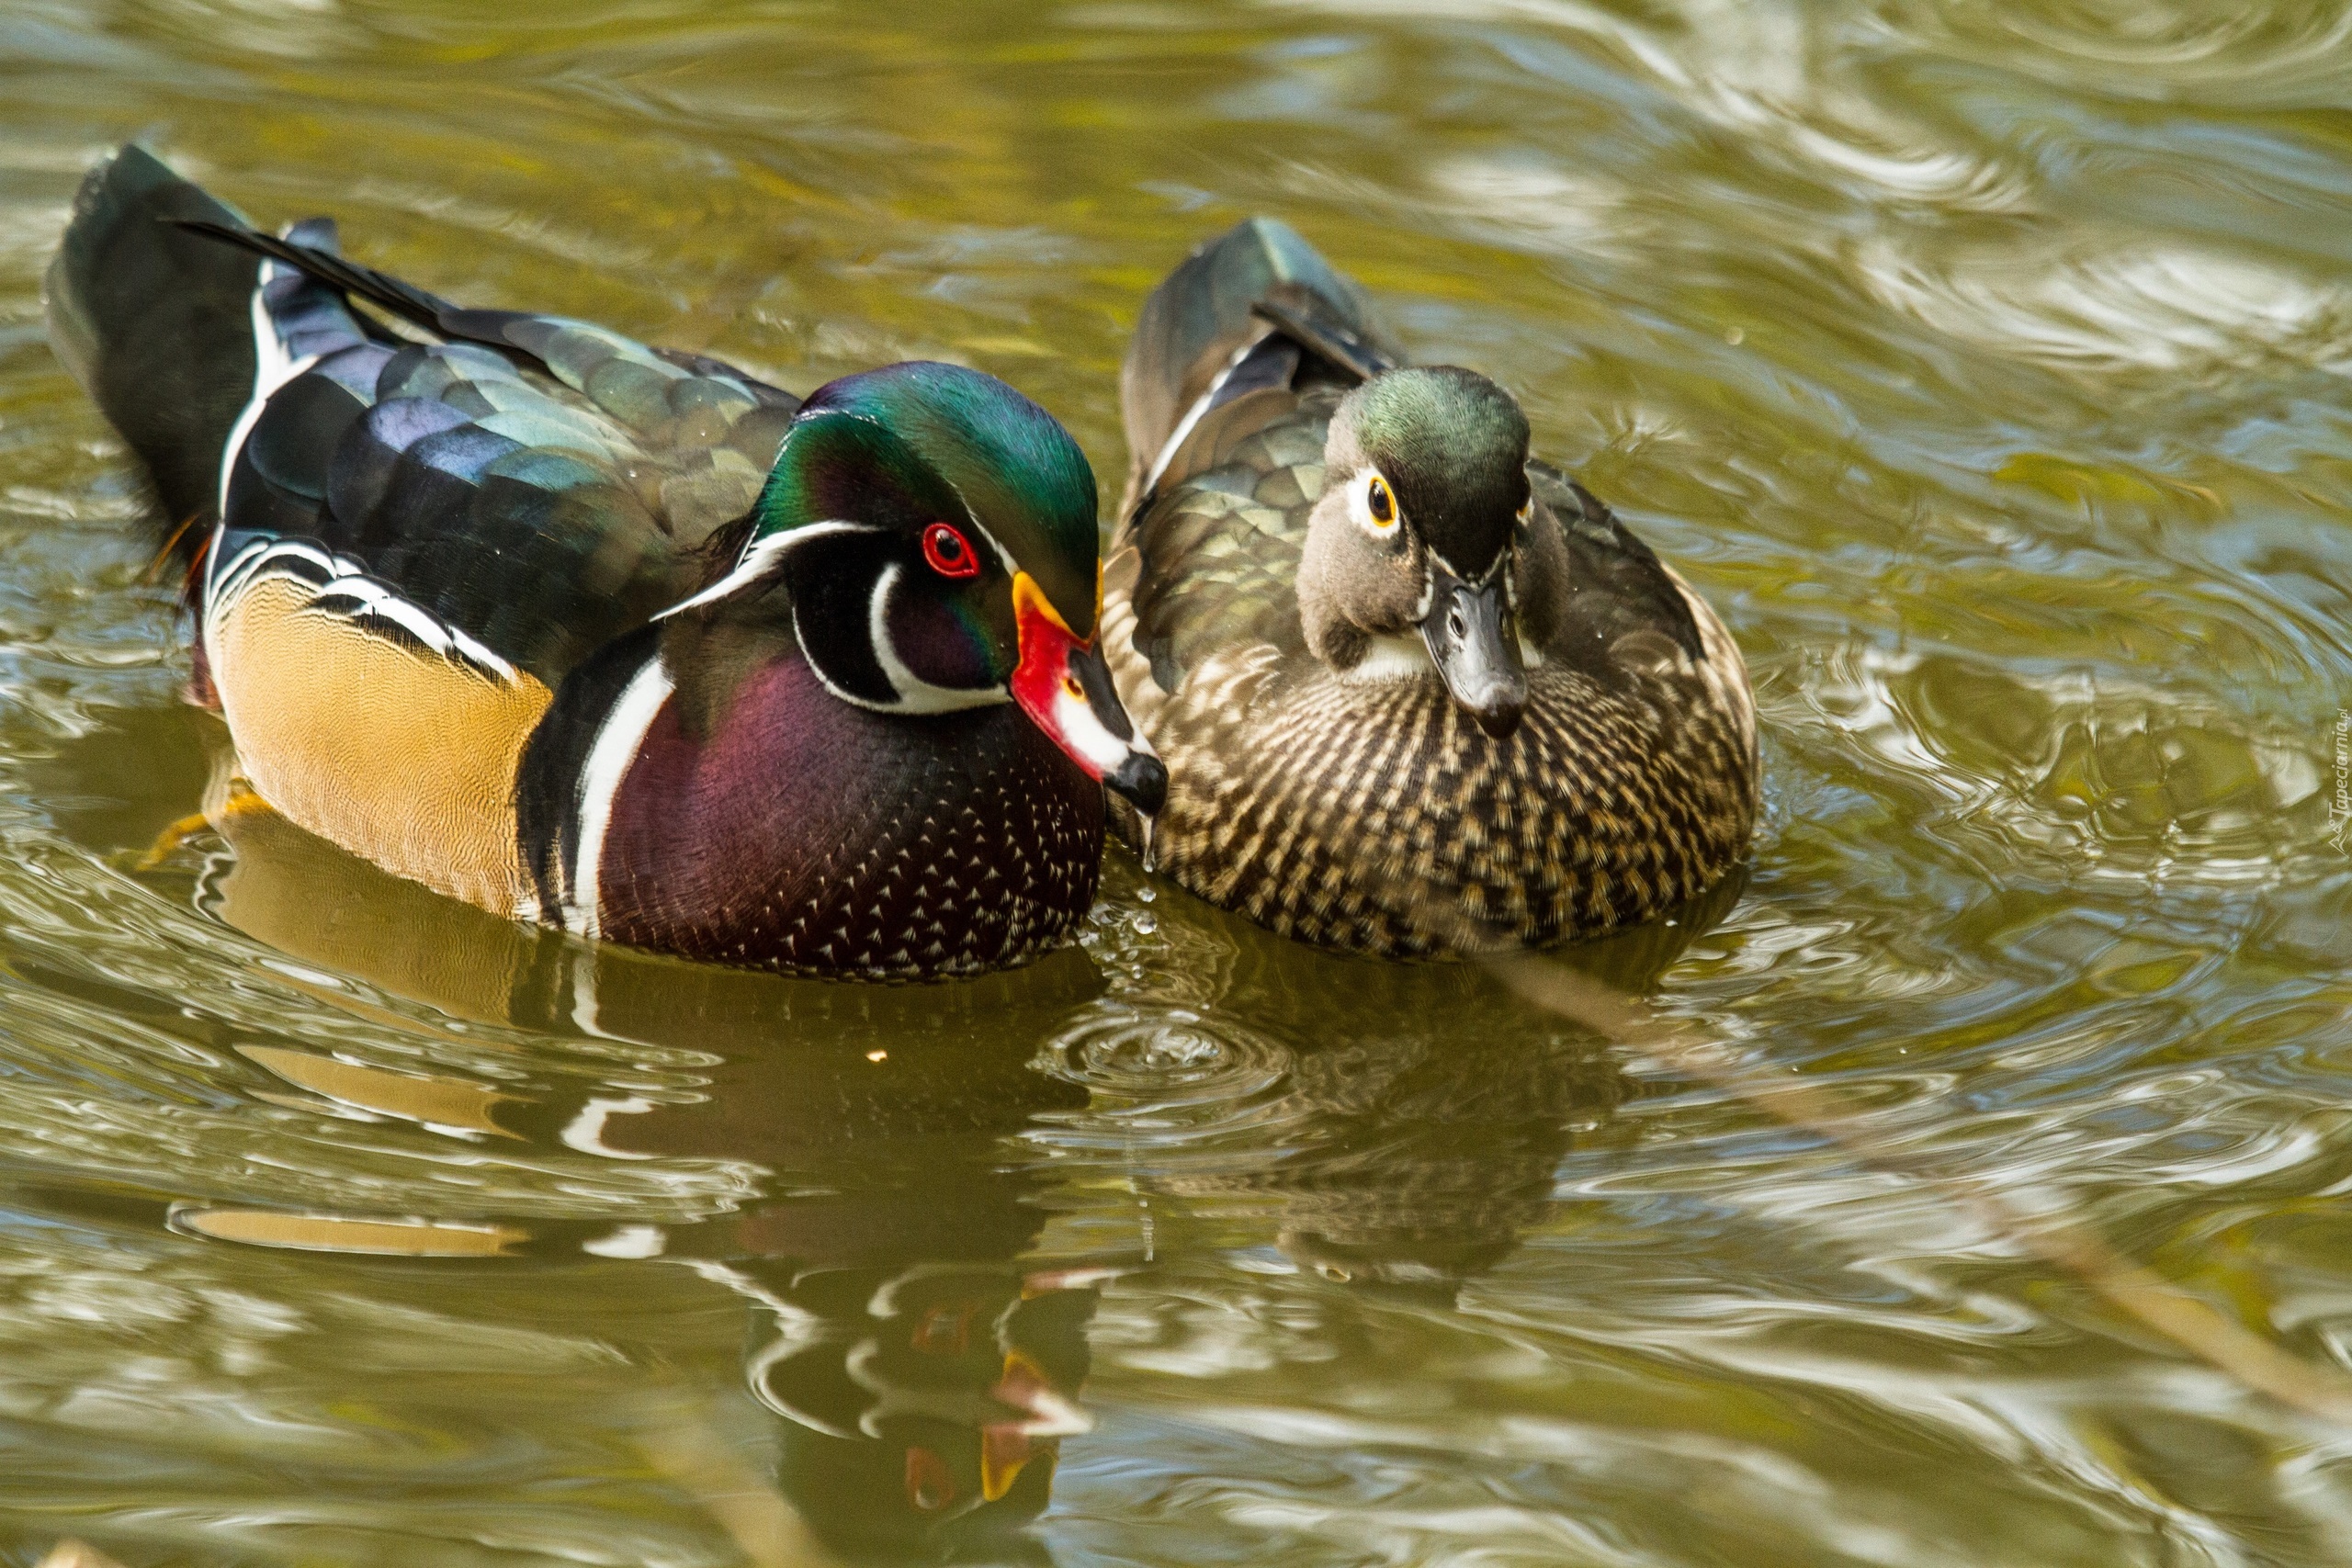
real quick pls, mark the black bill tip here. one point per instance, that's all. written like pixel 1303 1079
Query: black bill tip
pixel 1142 779
pixel 1499 716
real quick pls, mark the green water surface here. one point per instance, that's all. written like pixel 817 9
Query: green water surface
pixel 1985 364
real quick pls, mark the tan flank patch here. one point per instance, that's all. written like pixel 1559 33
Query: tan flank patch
pixel 397 754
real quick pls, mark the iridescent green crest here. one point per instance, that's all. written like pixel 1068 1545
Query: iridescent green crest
pixel 922 442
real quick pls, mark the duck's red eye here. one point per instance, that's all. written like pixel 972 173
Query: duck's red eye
pixel 949 553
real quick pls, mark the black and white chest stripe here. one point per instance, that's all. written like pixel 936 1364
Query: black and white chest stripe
pixel 616 745
pixel 571 772
pixel 275 364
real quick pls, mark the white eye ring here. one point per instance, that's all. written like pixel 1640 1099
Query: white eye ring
pixel 1374 506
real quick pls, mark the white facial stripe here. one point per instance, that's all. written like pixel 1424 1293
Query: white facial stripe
pixel 760 557
pixel 273 367
pixel 915 693
pixel 1005 563
pixel 618 741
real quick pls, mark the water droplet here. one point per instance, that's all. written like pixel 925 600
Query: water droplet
pixel 1737 336
pixel 1150 860
pixel 1146 894
pixel 1145 923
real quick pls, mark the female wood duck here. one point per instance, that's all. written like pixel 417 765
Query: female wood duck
pixel 611 637
pixel 1418 694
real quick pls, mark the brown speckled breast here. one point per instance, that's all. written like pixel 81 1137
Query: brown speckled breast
pixel 1376 817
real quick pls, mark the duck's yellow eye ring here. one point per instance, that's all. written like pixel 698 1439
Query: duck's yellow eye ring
pixel 1526 512
pixel 1379 502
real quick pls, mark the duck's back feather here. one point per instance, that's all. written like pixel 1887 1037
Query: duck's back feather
pixel 1205 316
pixel 541 501
pixel 534 485
pixel 1211 562
pixel 417 542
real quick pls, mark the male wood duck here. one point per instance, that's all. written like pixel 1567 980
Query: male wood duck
pixel 1419 694
pixel 612 636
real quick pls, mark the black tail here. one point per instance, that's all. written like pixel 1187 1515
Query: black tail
pixel 156 323
pixel 1223 295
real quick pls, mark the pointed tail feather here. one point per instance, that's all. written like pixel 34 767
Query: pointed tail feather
pixel 566 350
pixel 1224 295
pixel 405 300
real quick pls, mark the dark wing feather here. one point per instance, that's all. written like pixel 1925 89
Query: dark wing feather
pixel 1616 586
pixel 1216 551
pixel 542 486
pixel 405 300
pixel 1240 357
pixel 1313 321
pixel 1257 276
pixel 567 349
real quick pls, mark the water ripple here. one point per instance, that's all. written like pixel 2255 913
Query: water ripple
pixel 1984 364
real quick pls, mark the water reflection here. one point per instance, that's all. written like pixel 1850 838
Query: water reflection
pixel 1985 364
pixel 923 1376
pixel 1392 1125
pixel 924 1408
pixel 922 1366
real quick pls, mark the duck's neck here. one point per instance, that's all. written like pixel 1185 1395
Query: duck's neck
pixel 802 833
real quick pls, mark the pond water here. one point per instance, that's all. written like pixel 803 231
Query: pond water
pixel 1985 364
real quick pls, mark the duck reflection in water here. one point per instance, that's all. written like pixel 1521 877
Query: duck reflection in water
pixel 923 1368
pixel 923 1375
pixel 1399 1125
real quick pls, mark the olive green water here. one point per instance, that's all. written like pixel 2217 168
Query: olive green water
pixel 1985 364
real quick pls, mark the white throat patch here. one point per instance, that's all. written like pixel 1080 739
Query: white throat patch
pixel 1393 659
